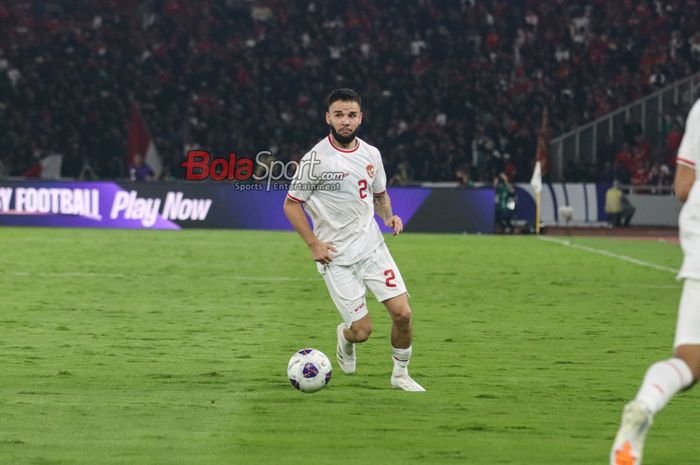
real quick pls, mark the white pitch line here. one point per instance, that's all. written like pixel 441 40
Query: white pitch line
pixel 610 254
pixel 69 274
pixel 274 278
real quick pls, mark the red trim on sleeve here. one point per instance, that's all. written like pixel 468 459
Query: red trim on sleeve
pixel 685 161
pixel 294 198
pixel 343 150
pixel 379 194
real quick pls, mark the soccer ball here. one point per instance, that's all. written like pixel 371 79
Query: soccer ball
pixel 309 370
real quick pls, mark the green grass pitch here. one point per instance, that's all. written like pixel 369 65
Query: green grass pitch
pixel 142 347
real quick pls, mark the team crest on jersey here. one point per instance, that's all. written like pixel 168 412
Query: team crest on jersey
pixel 370 170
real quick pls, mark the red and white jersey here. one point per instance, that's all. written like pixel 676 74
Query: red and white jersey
pixel 337 188
pixel 689 226
pixel 689 150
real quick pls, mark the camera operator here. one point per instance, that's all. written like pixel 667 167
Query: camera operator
pixel 506 203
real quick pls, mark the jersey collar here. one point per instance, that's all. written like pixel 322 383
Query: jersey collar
pixel 330 140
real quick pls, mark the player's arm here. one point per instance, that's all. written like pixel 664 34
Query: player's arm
pixel 382 207
pixel 320 251
pixel 685 178
pixel 688 154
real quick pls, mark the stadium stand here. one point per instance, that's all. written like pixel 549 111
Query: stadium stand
pixel 447 85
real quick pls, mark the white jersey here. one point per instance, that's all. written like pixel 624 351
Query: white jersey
pixel 689 150
pixel 689 220
pixel 338 192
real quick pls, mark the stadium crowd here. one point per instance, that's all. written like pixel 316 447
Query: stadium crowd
pixel 449 87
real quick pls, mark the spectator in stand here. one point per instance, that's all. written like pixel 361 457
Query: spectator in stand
pixel 139 170
pixel 659 175
pixel 641 150
pixel 641 175
pixel 464 177
pixel 624 164
pixel 32 169
pixel 510 170
pixel 403 174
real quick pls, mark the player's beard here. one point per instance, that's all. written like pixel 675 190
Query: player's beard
pixel 343 139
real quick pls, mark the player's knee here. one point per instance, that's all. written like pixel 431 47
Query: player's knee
pixel 363 334
pixel 361 331
pixel 402 317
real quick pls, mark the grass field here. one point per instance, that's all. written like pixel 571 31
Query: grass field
pixel 128 347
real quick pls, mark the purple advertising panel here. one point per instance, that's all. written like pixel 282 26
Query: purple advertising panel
pixel 179 205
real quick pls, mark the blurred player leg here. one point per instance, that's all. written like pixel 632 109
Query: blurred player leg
pixel 662 381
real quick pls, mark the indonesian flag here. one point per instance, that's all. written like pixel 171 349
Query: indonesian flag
pixel 140 142
pixel 48 167
pixel 536 181
pixel 51 166
pixel 542 153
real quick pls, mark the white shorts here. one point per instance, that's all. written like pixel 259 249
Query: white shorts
pixel 347 284
pixel 688 324
pixel 689 225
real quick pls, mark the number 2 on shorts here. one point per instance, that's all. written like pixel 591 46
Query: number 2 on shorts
pixel 390 277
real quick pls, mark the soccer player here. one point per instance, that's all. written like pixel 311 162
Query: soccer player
pixel 666 378
pixel 341 183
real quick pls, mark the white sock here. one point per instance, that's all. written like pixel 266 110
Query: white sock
pixel 662 381
pixel 401 358
pixel 342 336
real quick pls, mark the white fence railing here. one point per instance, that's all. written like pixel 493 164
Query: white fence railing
pixel 582 143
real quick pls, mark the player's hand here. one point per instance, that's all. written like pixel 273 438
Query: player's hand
pixel 395 224
pixel 321 252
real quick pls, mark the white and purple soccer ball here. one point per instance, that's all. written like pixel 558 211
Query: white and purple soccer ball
pixel 309 370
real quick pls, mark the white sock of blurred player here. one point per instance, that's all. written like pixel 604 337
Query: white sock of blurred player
pixel 662 381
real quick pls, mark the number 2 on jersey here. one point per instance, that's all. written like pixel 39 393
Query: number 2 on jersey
pixel 390 277
pixel 363 188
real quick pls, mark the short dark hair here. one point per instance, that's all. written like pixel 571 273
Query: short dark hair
pixel 344 95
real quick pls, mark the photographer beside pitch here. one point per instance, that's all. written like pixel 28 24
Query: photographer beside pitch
pixel 666 378
pixel 346 241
